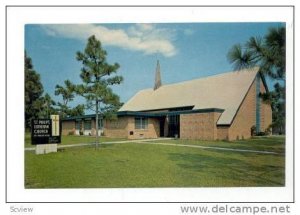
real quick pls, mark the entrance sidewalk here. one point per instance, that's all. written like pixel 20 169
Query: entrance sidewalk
pixel 210 147
pixel 150 141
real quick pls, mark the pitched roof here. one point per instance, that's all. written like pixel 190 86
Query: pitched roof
pixel 225 91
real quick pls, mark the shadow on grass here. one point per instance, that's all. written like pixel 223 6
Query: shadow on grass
pixel 228 168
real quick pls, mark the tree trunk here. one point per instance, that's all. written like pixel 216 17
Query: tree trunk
pixel 97 119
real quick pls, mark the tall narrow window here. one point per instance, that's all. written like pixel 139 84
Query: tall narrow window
pixel 141 123
pixel 100 123
pixel 78 125
pixel 87 125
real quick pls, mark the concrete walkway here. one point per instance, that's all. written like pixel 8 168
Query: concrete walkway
pixel 210 147
pixel 150 141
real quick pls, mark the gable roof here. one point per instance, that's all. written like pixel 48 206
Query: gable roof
pixel 224 91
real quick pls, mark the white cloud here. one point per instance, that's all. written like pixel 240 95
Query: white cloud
pixel 146 38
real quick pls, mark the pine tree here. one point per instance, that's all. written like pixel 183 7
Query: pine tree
pixel 45 106
pixel 33 92
pixel 68 95
pixel 97 77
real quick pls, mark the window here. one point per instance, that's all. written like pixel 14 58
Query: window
pixel 87 125
pixel 100 123
pixel 141 123
pixel 78 125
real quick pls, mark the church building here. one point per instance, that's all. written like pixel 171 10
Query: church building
pixel 226 106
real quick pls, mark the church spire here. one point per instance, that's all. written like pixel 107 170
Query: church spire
pixel 157 83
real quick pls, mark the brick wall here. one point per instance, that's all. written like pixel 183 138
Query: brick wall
pixel 67 127
pixel 124 125
pixel 245 117
pixel 199 126
pixel 222 132
pixel 151 132
pixel 116 128
pixel 216 118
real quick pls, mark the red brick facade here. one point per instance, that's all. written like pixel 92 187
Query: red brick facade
pixel 124 127
pixel 68 127
pixel 199 126
pixel 245 119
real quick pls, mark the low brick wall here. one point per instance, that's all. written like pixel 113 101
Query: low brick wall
pixel 199 126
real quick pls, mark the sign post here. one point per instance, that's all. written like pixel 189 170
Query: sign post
pixel 46 134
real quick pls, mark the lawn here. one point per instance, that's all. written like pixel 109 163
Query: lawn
pixel 272 143
pixel 73 139
pixel 146 165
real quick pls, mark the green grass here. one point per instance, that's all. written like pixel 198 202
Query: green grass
pixel 146 165
pixel 73 139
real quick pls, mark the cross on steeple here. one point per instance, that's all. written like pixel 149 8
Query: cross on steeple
pixel 157 82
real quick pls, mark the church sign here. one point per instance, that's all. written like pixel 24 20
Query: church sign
pixel 45 131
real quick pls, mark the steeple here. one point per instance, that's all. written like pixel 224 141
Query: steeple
pixel 157 83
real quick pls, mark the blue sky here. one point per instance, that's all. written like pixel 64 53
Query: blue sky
pixel 185 50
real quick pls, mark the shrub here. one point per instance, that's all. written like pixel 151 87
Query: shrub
pixel 268 131
pixel 253 130
pixel 261 133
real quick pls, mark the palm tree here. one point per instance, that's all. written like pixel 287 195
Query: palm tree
pixel 269 54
